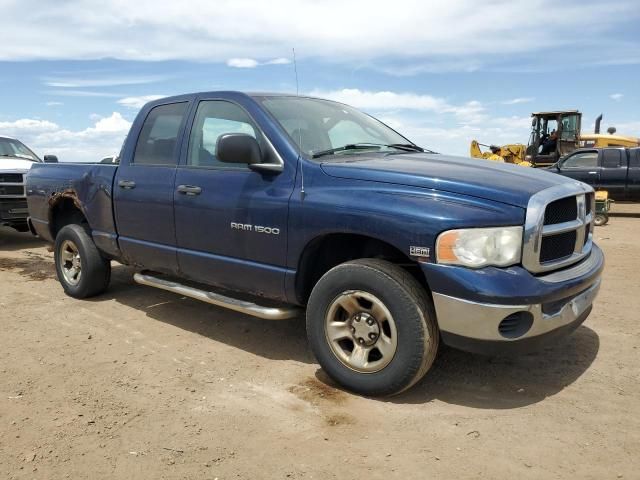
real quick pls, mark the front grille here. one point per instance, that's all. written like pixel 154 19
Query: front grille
pixel 556 247
pixel 587 231
pixel 559 211
pixel 11 185
pixel 557 231
pixel 11 190
pixel 10 178
pixel 589 199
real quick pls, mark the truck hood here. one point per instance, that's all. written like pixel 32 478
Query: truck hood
pixel 14 164
pixel 485 179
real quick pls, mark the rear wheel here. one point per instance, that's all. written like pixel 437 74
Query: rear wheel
pixel 81 269
pixel 372 327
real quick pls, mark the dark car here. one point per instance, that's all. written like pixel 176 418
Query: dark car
pixel 614 169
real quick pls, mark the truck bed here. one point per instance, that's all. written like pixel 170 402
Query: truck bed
pixel 52 183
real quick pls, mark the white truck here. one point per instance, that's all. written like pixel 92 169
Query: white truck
pixel 16 160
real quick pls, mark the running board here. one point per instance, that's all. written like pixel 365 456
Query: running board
pixel 242 306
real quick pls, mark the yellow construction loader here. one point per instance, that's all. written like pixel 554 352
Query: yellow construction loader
pixel 554 134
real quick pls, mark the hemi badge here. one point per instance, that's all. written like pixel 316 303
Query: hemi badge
pixel 419 251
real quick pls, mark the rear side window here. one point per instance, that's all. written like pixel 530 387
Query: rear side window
pixel 581 160
pixel 611 158
pixel 634 161
pixel 158 140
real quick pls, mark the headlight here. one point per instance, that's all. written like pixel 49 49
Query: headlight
pixel 479 247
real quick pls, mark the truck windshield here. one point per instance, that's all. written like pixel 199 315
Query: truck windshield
pixel 322 127
pixel 10 147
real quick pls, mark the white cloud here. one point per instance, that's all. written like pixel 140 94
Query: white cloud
pixel 54 104
pixel 516 101
pixel 376 101
pixel 278 61
pixel 251 63
pixel 242 63
pixel 94 80
pixel 89 145
pixel 81 93
pixel 423 35
pixel 616 96
pixel 138 102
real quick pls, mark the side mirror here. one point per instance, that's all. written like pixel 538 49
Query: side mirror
pixel 50 159
pixel 238 148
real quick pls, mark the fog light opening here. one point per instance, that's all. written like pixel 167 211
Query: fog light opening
pixel 516 325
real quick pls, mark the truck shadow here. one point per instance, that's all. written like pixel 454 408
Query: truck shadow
pixel 275 340
pixel 456 377
pixel 11 240
pixel 505 382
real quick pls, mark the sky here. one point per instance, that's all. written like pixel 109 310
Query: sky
pixel 74 73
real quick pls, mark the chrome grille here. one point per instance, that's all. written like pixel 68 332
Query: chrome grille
pixel 562 210
pixel 12 185
pixel 557 246
pixel 558 227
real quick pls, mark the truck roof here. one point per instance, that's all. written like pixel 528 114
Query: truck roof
pixel 554 112
pixel 187 96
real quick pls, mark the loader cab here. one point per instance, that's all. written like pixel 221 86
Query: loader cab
pixel 553 134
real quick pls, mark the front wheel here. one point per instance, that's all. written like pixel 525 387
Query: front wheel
pixel 372 328
pixel 81 269
pixel 601 219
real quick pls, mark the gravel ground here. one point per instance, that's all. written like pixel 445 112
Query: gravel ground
pixel 140 383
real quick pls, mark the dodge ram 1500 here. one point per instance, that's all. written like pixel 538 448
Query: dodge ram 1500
pixel 268 204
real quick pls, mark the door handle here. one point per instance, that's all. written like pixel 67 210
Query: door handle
pixel 128 184
pixel 189 189
pixel 592 173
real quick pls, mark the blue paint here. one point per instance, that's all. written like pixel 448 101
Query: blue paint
pixel 402 199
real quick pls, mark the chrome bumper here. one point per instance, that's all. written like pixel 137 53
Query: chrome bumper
pixel 481 321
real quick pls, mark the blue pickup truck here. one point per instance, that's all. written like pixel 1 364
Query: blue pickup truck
pixel 269 204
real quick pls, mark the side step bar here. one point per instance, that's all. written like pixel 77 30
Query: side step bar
pixel 242 306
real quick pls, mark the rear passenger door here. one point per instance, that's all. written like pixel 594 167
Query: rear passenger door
pixel 613 174
pixel 582 166
pixel 143 191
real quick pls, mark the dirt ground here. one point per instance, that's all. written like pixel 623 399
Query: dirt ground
pixel 140 383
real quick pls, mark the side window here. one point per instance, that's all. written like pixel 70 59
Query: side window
pixel 582 160
pixel 159 136
pixel 612 158
pixel 213 119
pixel 634 161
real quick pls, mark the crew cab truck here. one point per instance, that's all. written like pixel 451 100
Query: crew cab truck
pixel 616 170
pixel 267 204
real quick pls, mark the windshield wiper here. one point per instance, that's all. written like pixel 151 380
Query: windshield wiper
pixel 350 146
pixel 17 155
pixel 410 147
pixel 407 147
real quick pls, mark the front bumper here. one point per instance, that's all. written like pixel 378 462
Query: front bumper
pixel 13 211
pixel 545 307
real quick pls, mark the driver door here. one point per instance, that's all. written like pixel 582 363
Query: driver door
pixel 582 166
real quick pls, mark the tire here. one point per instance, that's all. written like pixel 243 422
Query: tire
pixel 372 327
pixel 601 219
pixel 81 269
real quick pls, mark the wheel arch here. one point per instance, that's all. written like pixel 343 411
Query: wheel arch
pixel 326 251
pixel 65 209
